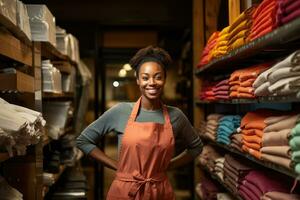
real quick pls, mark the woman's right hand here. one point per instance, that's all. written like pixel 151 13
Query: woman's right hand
pixel 100 156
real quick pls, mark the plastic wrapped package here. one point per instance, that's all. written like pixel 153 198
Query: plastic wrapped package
pixel 57 115
pixel 68 81
pixel 8 8
pixel 23 19
pixel 62 41
pixel 42 24
pixel 74 48
pixel 51 78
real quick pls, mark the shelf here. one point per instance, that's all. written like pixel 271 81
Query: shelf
pixel 15 30
pixel 50 52
pixel 282 99
pixel 280 42
pixel 215 177
pixel 15 49
pixel 62 96
pixel 263 163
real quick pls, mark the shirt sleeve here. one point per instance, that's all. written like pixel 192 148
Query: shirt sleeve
pixel 90 136
pixel 189 137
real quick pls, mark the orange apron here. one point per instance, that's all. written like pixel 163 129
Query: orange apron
pixel 146 151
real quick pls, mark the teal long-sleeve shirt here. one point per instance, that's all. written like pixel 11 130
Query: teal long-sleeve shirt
pixel 115 120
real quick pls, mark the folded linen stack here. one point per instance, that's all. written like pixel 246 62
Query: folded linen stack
pixel 240 29
pixel 275 142
pixel 227 126
pixel 19 127
pixel 207 52
pixel 236 141
pixel 234 172
pixel 221 90
pixel 283 78
pixel 212 125
pixel 241 81
pixel 256 183
pixel 252 126
pixel 295 146
pixel 264 19
pixel 207 189
pixel 287 11
pixel 221 47
pixel 219 167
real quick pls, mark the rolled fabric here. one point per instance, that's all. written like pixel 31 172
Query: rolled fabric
pixel 214 117
pixel 262 90
pixel 213 123
pixel 236 165
pixel 285 162
pixel 249 90
pixel 244 195
pixel 221 88
pixel 245 95
pixel 279 138
pixel 233 176
pixel 282 151
pixel 281 196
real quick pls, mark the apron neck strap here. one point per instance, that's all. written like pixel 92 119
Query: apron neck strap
pixel 137 105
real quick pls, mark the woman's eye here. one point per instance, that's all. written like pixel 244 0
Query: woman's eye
pixel 144 78
pixel 158 77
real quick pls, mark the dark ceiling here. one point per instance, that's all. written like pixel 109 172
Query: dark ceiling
pixel 171 18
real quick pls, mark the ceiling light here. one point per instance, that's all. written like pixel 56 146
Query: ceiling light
pixel 127 67
pixel 122 73
pixel 116 84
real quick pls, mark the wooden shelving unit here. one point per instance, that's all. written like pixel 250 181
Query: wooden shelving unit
pixel 272 46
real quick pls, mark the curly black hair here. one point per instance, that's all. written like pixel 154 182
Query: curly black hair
pixel 150 54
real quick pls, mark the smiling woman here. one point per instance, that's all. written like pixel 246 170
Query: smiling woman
pixel 148 133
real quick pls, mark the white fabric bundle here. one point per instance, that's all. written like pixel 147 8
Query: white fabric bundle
pixel 19 127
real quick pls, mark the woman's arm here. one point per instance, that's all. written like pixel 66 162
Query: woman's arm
pixel 100 156
pixel 180 160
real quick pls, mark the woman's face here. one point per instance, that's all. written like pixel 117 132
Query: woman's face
pixel 151 80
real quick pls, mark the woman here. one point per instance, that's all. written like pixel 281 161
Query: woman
pixel 148 131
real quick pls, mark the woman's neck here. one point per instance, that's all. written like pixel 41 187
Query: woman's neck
pixel 149 104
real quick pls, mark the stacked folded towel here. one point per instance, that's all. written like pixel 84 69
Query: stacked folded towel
pixel 19 127
pixel 207 52
pixel 295 146
pixel 207 189
pixel 275 144
pixel 264 18
pixel 240 29
pixel 234 172
pixel 221 90
pixel 227 126
pixel 236 141
pixel 281 79
pixel 212 122
pixel 219 167
pixel 221 47
pixel 241 81
pixel 252 126
pixel 256 183
pixel 287 11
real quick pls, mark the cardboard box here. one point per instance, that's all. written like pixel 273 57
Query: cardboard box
pixel 17 81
